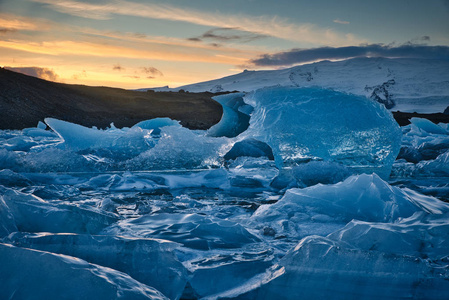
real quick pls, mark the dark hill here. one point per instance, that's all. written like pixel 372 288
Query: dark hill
pixel 25 100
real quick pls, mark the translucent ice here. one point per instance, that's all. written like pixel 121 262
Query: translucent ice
pixel 302 124
pixel 422 235
pixel 321 209
pixel 428 126
pixel 149 261
pixel 31 274
pixel 155 125
pixel 77 137
pixel 322 268
pixel 181 148
pixel 249 147
pixel 234 120
pixel 192 230
pixel 33 214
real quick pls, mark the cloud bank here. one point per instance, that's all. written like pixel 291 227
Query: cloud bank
pixel 298 56
pixel 43 73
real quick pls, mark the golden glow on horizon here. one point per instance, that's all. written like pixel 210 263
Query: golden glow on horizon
pixel 95 56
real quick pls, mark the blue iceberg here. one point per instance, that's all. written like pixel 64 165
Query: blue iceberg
pixel 302 124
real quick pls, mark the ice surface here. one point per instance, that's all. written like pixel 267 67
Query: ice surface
pixel 321 268
pixel 321 209
pixel 303 124
pixel 149 261
pixel 32 214
pixel 221 272
pixel 31 274
pixel 7 222
pixel 422 235
pixel 192 230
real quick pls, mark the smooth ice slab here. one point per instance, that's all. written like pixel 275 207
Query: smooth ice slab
pixel 31 274
pixel 319 268
pixel 33 214
pixel 192 230
pixel 302 124
pixel 321 209
pixel 150 261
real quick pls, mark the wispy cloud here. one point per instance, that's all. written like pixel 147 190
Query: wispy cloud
pixel 227 34
pixel 152 72
pixel 118 67
pixel 43 73
pixel 298 56
pixel 13 23
pixel 338 21
pixel 264 25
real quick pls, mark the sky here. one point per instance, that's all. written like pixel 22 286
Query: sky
pixel 145 43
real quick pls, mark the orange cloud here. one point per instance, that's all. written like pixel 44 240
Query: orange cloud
pixel 105 50
pixel 9 22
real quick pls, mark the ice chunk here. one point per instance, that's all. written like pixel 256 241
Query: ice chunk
pixel 192 230
pixel 321 268
pixel 321 209
pixel 32 214
pixel 436 167
pixel 41 125
pixel 428 126
pixel 156 124
pixel 423 140
pixel 149 261
pixel 181 148
pixel 77 137
pixel 422 235
pixel 251 172
pixel 7 222
pixel 234 120
pixel 10 178
pixel 249 147
pixel 300 124
pixel 221 272
pixel 23 276
pixel 315 172
pixel 19 143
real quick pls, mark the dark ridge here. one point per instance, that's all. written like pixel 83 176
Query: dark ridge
pixel 26 100
pixel 403 118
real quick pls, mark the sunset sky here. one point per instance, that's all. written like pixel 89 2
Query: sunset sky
pixel 139 44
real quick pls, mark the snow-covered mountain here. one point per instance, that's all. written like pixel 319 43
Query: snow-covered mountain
pixel 407 85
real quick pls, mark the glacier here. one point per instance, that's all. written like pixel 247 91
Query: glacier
pixel 295 193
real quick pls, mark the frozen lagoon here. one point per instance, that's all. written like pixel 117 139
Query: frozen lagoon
pixel 159 211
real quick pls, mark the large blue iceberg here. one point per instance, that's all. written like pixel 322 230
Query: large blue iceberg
pixel 303 124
